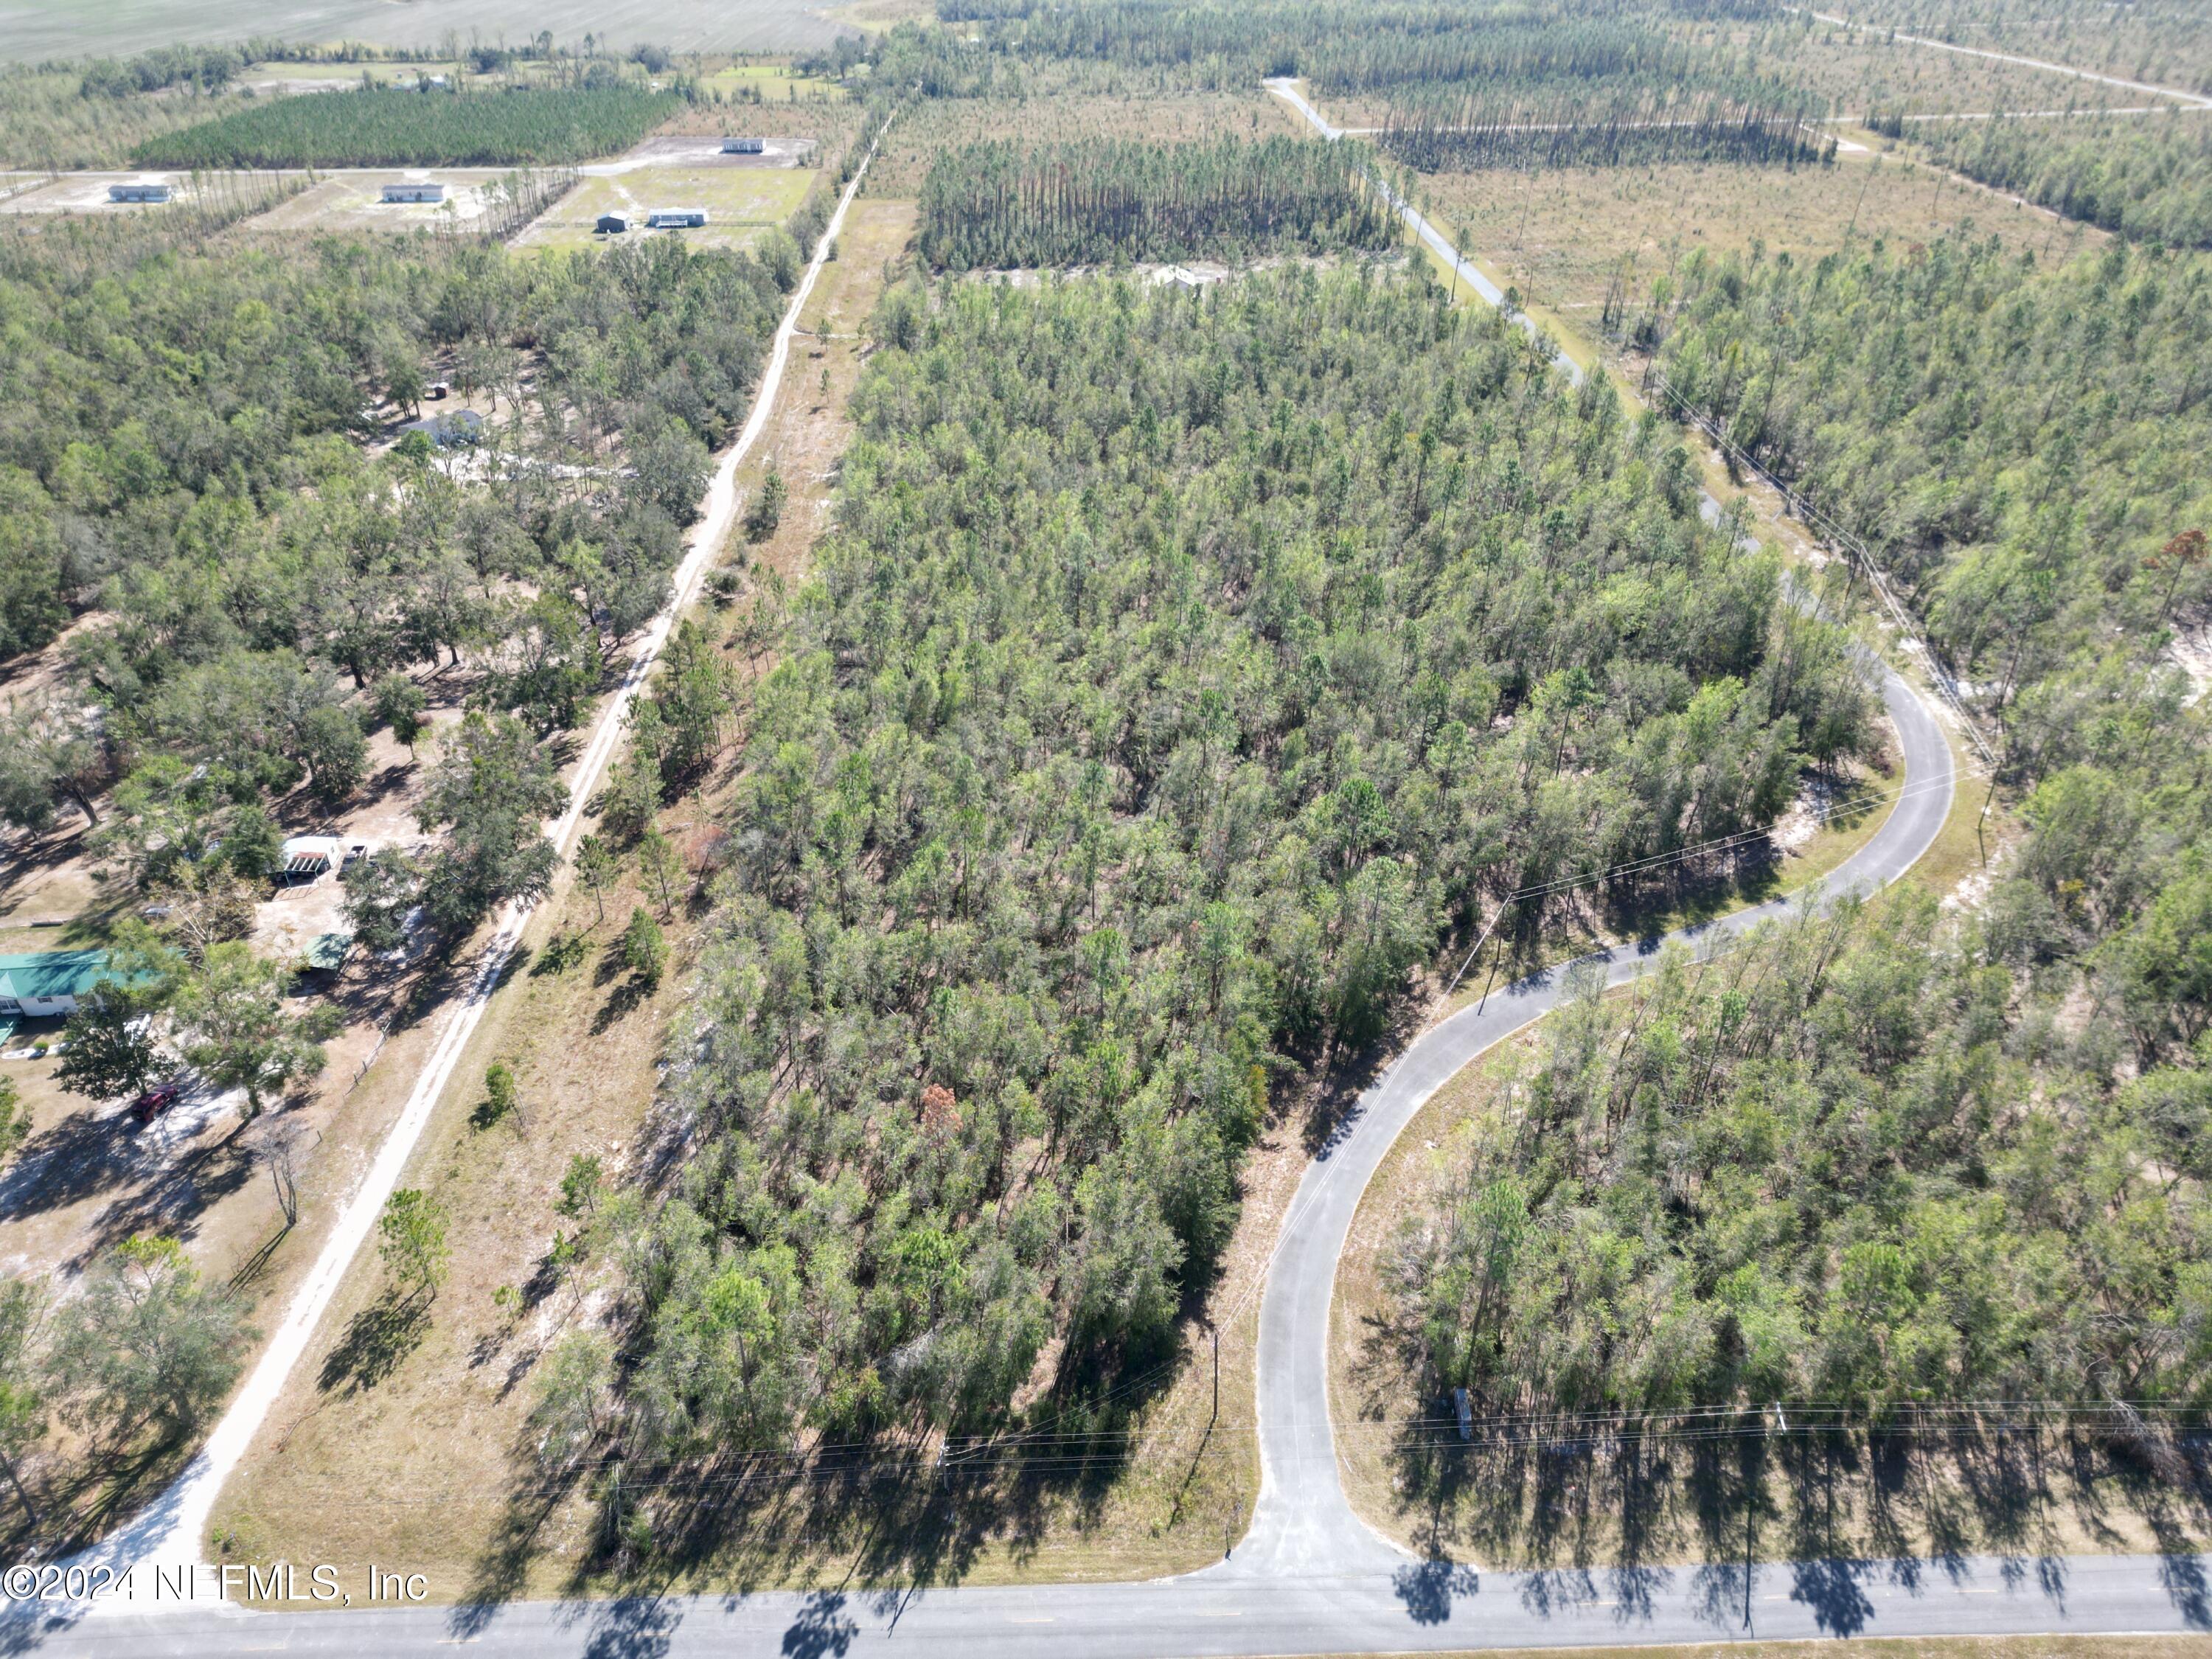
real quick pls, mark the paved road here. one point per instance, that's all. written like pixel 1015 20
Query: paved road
pixel 1415 1609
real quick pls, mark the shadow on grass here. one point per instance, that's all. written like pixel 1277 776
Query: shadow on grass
pixel 81 1499
pixel 883 1511
pixel 378 1337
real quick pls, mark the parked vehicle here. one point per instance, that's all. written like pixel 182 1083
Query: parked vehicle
pixel 156 1101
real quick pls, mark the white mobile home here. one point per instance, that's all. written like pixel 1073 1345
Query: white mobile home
pixel 138 192
pixel 744 146
pixel 412 192
pixel 676 219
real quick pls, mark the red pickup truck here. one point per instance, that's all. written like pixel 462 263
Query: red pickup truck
pixel 156 1101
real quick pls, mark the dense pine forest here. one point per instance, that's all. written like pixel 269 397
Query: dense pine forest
pixel 2149 179
pixel 1888 1155
pixel 999 204
pixel 387 127
pixel 1180 670
pixel 1150 691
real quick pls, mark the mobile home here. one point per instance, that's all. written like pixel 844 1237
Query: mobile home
pixel 138 192
pixel 411 192
pixel 676 219
pixel 744 146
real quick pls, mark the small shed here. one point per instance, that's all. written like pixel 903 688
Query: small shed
pixel 138 192
pixel 305 857
pixel 414 192
pixel 48 984
pixel 744 146
pixel 447 430
pixel 328 952
pixel 612 224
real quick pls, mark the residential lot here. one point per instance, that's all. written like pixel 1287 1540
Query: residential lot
pixel 741 202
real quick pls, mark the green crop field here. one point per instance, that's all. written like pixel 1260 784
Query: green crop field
pixel 382 128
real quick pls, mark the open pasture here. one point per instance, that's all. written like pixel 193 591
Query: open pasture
pixel 741 202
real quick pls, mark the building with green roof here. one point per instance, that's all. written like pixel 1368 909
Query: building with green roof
pixel 48 984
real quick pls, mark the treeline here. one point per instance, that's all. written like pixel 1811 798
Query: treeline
pixel 1482 127
pixel 203 69
pixel 383 126
pixel 2147 178
pixel 264 593
pixel 1340 47
pixel 1180 670
pixel 1859 1160
pixel 998 203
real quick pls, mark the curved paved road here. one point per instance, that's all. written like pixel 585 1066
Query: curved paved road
pixel 1303 1523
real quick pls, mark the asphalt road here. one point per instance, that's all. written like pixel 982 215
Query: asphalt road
pixel 1415 1609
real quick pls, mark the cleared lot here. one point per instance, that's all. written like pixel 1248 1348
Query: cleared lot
pixel 83 192
pixel 741 202
pixel 353 201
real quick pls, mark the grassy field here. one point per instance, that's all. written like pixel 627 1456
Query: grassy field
pixel 773 83
pixel 40 29
pixel 1559 236
pixel 741 202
